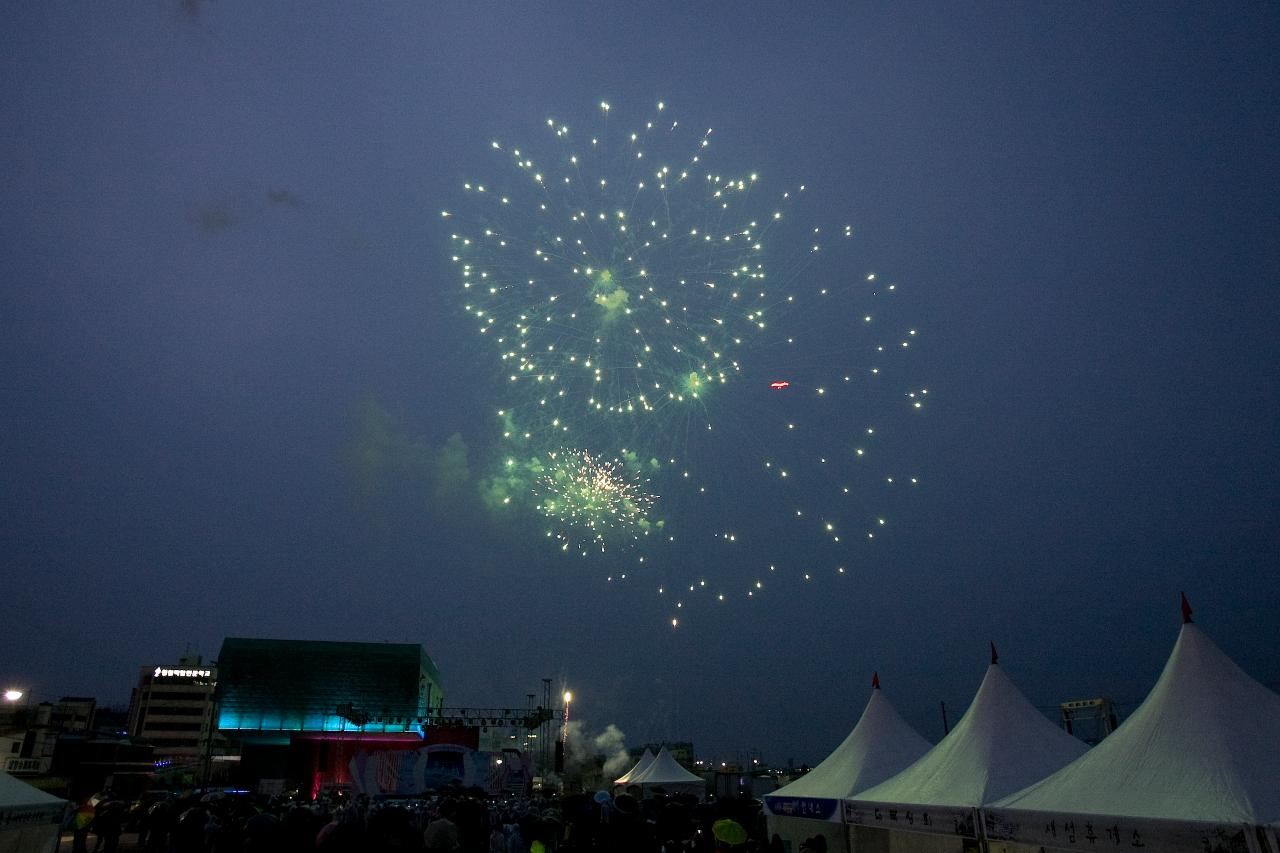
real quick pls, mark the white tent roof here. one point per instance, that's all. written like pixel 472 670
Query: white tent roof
pixel 880 745
pixel 640 766
pixel 15 792
pixel 1204 746
pixel 1001 744
pixel 664 770
pixel 19 802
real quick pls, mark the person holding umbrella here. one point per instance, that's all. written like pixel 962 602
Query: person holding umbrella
pixel 108 823
pixel 81 820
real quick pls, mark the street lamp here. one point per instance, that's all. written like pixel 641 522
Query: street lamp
pixel 13 695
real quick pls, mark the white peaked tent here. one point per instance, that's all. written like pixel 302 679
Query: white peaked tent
pixel 1199 758
pixel 665 772
pixel 29 818
pixel 1000 745
pixel 880 745
pixel 640 766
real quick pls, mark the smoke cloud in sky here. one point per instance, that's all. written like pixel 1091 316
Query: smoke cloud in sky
pixel 241 208
pixel 383 459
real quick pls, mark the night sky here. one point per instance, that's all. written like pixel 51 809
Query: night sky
pixel 224 284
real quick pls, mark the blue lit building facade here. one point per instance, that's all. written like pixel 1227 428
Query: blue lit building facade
pixel 300 709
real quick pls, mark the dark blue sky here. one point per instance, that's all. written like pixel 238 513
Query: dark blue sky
pixel 219 240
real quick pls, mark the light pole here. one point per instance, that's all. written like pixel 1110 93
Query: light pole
pixel 17 718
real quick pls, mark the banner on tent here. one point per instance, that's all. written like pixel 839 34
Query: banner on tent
pixel 936 820
pixel 12 817
pixel 813 808
pixel 1061 831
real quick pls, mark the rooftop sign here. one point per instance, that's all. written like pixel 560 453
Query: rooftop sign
pixel 163 672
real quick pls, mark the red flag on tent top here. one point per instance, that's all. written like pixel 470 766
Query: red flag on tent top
pixel 875 681
pixel 1186 609
pixel 994 655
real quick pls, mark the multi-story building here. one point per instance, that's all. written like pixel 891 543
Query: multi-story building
pixel 29 734
pixel 70 714
pixel 74 747
pixel 172 709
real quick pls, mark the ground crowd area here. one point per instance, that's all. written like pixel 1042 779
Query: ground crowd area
pixel 455 822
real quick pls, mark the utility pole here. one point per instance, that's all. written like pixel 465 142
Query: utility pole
pixel 544 735
pixel 529 737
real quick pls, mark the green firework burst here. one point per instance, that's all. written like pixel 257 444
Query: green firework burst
pixel 590 501
pixel 691 323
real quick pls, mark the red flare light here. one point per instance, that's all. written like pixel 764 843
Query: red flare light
pixel 780 384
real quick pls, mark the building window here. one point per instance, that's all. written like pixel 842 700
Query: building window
pixel 161 711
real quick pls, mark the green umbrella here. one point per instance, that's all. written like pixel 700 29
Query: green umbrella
pixel 729 831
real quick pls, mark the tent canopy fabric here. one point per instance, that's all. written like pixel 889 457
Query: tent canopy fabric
pixel 1204 745
pixel 1001 745
pixel 880 745
pixel 17 795
pixel 29 818
pixel 664 770
pixel 640 767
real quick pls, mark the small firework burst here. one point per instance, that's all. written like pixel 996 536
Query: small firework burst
pixel 592 502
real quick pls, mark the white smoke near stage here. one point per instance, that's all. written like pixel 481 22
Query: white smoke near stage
pixel 587 749
pixel 611 743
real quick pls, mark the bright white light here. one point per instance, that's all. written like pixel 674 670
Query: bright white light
pixel 13 695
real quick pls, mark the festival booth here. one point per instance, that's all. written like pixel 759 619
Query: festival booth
pixel 30 819
pixel 665 774
pixel 1196 767
pixel 640 766
pixel 1001 745
pixel 880 745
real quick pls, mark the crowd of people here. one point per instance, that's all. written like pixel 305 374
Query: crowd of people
pixel 451 822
